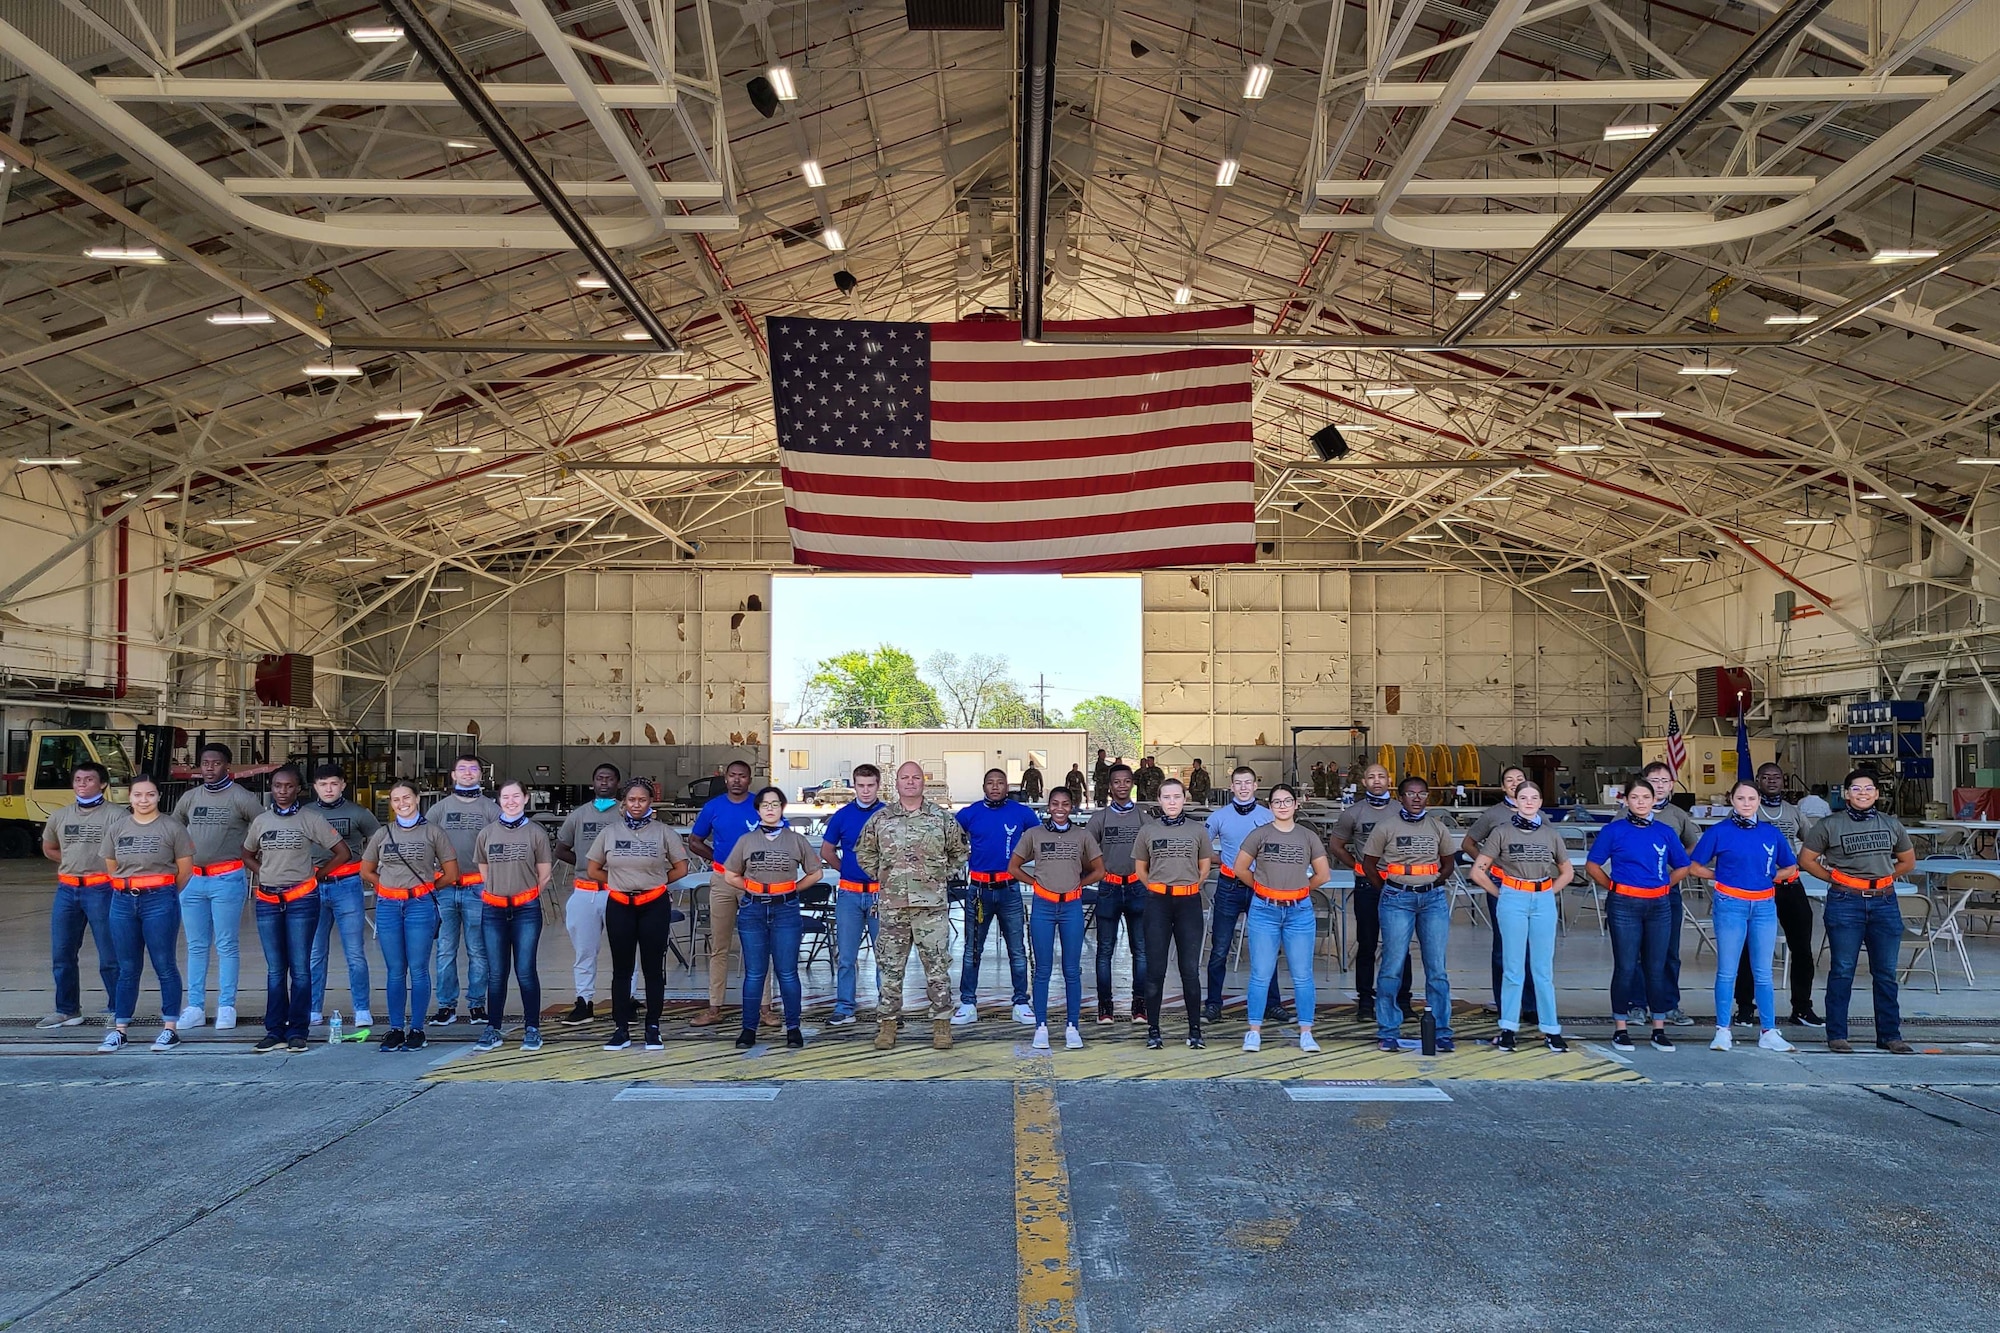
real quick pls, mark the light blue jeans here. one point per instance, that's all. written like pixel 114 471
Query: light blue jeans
pixel 460 911
pixel 1735 920
pixel 1272 926
pixel 1527 923
pixel 212 916
pixel 853 913
pixel 341 903
pixel 1426 914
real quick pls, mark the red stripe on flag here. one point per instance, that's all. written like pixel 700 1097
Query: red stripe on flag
pixel 1139 363
pixel 1027 490
pixel 1196 557
pixel 1020 530
pixel 1070 409
pixel 1094 446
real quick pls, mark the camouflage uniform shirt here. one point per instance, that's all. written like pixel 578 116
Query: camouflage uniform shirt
pixel 912 852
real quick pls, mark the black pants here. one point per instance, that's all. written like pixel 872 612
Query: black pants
pixel 1367 938
pixel 1173 920
pixel 1528 1010
pixel 1795 918
pixel 642 932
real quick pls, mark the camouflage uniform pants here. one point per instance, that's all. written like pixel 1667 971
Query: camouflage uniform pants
pixel 929 930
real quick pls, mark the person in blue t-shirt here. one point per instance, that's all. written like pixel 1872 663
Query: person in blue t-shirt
pixel 721 822
pixel 1746 856
pixel 993 827
pixel 1637 861
pixel 1227 827
pixel 854 901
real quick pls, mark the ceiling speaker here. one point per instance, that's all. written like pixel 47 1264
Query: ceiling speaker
pixel 1329 443
pixel 762 96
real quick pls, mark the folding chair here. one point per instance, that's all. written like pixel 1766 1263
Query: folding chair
pixel 1473 901
pixel 1704 926
pixel 816 921
pixel 1918 911
pixel 1949 928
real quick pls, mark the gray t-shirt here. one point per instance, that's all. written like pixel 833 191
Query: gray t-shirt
pixel 1173 853
pixel 78 831
pixel 1115 831
pixel 635 860
pixel 1357 821
pixel 1787 816
pixel 1403 842
pixel 1680 821
pixel 780 856
pixel 1530 854
pixel 218 821
pixel 1058 855
pixel 581 826
pixel 1492 817
pixel 460 818
pixel 151 848
pixel 288 845
pixel 354 823
pixel 509 857
pixel 1865 848
pixel 1281 860
pixel 405 858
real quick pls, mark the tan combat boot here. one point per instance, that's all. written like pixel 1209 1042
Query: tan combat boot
pixel 885 1034
pixel 940 1034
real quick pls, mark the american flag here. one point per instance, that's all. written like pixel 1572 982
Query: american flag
pixel 1677 750
pixel 954 448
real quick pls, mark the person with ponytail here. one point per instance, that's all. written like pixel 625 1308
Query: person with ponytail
pixel 515 861
pixel 1524 866
pixel 636 860
pixel 768 866
pixel 1746 856
pixel 149 859
pixel 406 862
pixel 1282 862
pixel 1227 828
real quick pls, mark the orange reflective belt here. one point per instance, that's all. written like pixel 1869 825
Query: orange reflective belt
pixel 521 899
pixel 1119 879
pixel 219 868
pixel 989 877
pixel 1280 895
pixel 90 881
pixel 291 895
pixel 1747 895
pixel 342 871
pixel 637 897
pixel 770 890
pixel 140 883
pixel 1175 890
pixel 396 895
pixel 470 879
pixel 1050 896
pixel 1860 885
pixel 1225 872
pixel 1426 868
pixel 1634 891
pixel 587 886
pixel 1524 885
pixel 716 866
pixel 860 886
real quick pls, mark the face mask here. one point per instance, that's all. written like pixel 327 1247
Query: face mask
pixel 992 804
pixel 1377 801
pixel 1060 828
pixel 1859 815
pixel 1409 818
pixel 92 803
pixel 1527 822
pixel 1639 821
pixel 604 803
pixel 466 791
pixel 329 805
pixel 1242 809
pixel 291 809
pixel 224 785
pixel 640 821
pixel 410 823
pixel 1741 822
pixel 514 823
pixel 1175 822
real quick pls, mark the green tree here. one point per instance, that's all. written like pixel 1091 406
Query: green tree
pixel 878 689
pixel 1113 725
pixel 1009 708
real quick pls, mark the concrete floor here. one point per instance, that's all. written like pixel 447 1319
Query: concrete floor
pixel 990 1188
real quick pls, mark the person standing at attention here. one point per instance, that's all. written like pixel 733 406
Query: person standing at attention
pixel 217 815
pixel 768 865
pixel 1746 857
pixel 1066 861
pixel 1412 856
pixel 722 820
pixel 992 828
pixel 515 861
pixel 148 858
pixel 1031 782
pixel 1795 911
pixel 340 897
pixel 405 863
pixel 73 838
pixel 1172 858
pixel 1283 862
pixel 1661 778
pixel 583 915
pixel 1121 898
pixel 1636 860
pixel 1227 828
pixel 1198 783
pixel 1860 851
pixel 1492 818
pixel 636 860
pixel 1524 866
pixel 911 847
pixel 854 901
pixel 279 847
pixel 464 811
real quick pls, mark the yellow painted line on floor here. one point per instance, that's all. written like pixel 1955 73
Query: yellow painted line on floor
pixel 1047 1279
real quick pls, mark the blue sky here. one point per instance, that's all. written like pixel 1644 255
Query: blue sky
pixel 1083 633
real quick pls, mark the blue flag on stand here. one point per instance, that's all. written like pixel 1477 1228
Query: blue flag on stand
pixel 1745 771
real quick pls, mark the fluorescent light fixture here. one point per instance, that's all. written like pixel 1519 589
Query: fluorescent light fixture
pixel 334 370
pixel 400 414
pixel 1637 414
pixel 125 254
pixel 1586 590
pixel 541 497
pixel 814 176
pixel 457 449
pixel 1751 541
pixel 833 240
pixel 1878 495
pixel 354 560
pixel 157 495
pixel 399 576
pixel 1624 133
pixel 1680 559
pixel 736 437
pixel 781 83
pixel 677 375
pixel 1979 462
pixel 1469 294
pixel 1424 537
pixel 640 336
pixel 459 143
pixel 49 462
pixel 380 35
pixel 1489 499
pixel 1531 472
pixel 1704 369
pixel 1791 319
pixel 1637 578
pixel 1256 81
pixel 508 476
pixel 291 541
pixel 1183 294
pixel 1901 256
pixel 1808 522
pixel 1225 172
pixel 609 537
pixel 226 317
pixel 1579 448
pixel 1514 295
pixel 1387 391
pixel 453 588
pixel 230 522
pixel 590 282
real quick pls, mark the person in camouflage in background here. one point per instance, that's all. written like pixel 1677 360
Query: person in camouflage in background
pixel 911 848
pixel 1148 778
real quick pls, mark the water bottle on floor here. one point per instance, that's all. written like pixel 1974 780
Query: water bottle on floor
pixel 1427 1028
pixel 333 1029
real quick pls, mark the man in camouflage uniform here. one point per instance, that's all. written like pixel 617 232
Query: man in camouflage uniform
pixel 1149 777
pixel 911 847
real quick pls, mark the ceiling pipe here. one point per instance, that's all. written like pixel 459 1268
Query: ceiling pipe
pixel 452 71
pixel 1904 279
pixel 1039 30
pixel 1790 22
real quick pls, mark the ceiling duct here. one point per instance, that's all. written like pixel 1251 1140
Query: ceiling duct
pixel 955 15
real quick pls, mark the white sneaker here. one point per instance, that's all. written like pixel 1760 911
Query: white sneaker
pixel 1041 1041
pixel 1773 1040
pixel 193 1017
pixel 51 1022
pixel 168 1040
pixel 363 1019
pixel 1723 1041
pixel 964 1014
pixel 1024 1015
pixel 1072 1038
pixel 1306 1042
pixel 225 1017
pixel 1253 1040
pixel 113 1040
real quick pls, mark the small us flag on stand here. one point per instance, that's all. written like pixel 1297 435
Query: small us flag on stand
pixel 954 448
pixel 1677 750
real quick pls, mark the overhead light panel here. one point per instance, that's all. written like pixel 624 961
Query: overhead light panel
pixel 1586 590
pixel 1637 414
pixel 457 449
pixel 677 375
pixel 1225 172
pixel 1579 448
pixel 1680 559
pixel 331 370
pixel 1489 499
pixel 1705 368
pixel 1637 578
pixel 1980 462
pixel 1905 256
pixel 833 240
pixel 377 35
pixel 1627 133
pixel 125 254
pixel 453 588
pixel 1808 522
pixel 508 476
pixel 1798 318
pixel 227 317
pixel 1256 81
pixel 229 522
pixel 814 176
pixel 354 560
pixel 1183 294
pixel 459 143
pixel 49 461
pixel 637 336
pixel 1387 391
pixel 400 414
pixel 1878 495
pixel 1424 537
pixel 1469 294
pixel 781 83
pixel 591 282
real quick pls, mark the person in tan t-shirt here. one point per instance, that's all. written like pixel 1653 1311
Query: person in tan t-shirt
pixel 768 866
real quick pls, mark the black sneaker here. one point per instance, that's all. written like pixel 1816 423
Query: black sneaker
pixel 476 1014
pixel 1505 1041
pixel 1807 1018
pixel 653 1042
pixel 744 1040
pixel 621 1039
pixel 415 1041
pixel 1621 1040
pixel 393 1041
pixel 795 1039
pixel 1661 1041
pixel 1195 1043
pixel 1155 1042
pixel 1446 1045
pixel 297 1045
pixel 1554 1041
pixel 444 1017
pixel 579 1014
pixel 1104 1016
pixel 269 1045
pixel 1211 1013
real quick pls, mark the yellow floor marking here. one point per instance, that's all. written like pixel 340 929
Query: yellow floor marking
pixel 1047 1278
pixel 1266 1234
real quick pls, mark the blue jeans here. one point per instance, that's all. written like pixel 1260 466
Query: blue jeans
pixel 1232 900
pixel 770 933
pixel 73 909
pixel 407 930
pixel 983 903
pixel 1289 926
pixel 1851 921
pixel 1044 921
pixel 853 914
pixel 1735 921
pixel 340 901
pixel 212 913
pixel 1526 924
pixel 512 936
pixel 1425 914
pixel 1676 918
pixel 286 931
pixel 1116 903
pixel 459 913
pixel 147 922
pixel 1641 930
